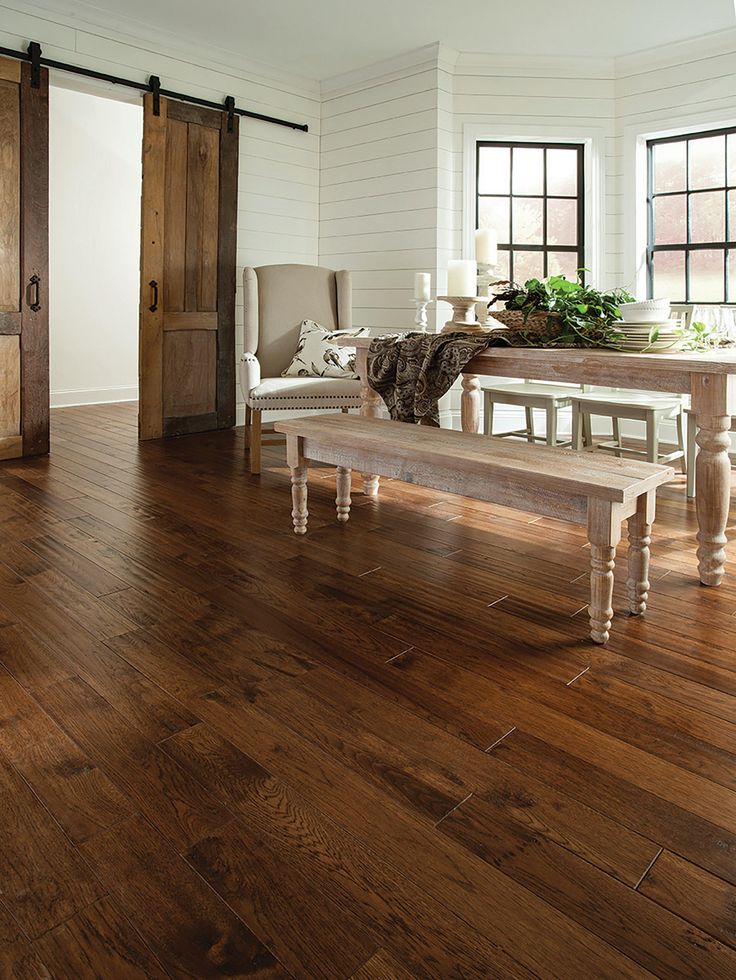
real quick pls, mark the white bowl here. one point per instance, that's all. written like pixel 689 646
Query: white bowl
pixel 645 311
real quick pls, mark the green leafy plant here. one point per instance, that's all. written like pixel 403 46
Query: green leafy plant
pixel 578 315
pixel 696 336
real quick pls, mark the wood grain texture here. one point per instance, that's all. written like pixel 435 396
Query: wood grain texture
pixel 10 70
pixel 10 195
pixel 34 188
pixel 9 387
pixel 153 220
pixel 226 263
pixel 260 777
pixel 190 373
pixel 175 217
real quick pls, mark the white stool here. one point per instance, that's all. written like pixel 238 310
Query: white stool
pixel 649 408
pixel 528 395
pixel 692 449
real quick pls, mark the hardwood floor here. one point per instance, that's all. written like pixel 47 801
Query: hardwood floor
pixel 384 750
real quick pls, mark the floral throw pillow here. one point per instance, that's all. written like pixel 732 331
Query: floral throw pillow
pixel 318 356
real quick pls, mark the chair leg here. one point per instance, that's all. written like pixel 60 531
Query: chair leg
pixel 254 441
pixel 692 451
pixel 681 442
pixel 487 414
pixel 577 428
pixel 652 437
pixel 552 425
pixel 299 512
pixel 247 427
pixel 529 412
pixel 616 426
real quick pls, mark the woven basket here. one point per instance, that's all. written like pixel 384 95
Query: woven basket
pixel 536 322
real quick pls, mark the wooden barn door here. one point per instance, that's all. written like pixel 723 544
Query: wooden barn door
pixel 24 237
pixel 187 313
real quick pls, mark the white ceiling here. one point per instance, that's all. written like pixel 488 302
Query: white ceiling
pixel 321 38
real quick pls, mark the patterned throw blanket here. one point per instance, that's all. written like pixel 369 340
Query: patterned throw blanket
pixel 413 372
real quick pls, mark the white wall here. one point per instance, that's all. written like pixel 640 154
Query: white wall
pixel 278 194
pixel 94 247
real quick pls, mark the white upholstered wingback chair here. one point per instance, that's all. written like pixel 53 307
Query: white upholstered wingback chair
pixel 277 299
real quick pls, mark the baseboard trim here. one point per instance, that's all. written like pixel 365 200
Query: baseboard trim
pixel 66 398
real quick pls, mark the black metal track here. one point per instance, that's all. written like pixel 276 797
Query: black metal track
pixel 146 87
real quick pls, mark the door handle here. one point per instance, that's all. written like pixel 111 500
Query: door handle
pixel 154 305
pixel 35 293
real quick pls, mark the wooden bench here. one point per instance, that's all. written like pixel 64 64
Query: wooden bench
pixel 596 491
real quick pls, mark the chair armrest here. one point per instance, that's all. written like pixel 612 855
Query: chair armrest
pixel 250 373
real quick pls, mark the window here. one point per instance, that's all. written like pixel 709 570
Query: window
pixel 532 195
pixel 691 250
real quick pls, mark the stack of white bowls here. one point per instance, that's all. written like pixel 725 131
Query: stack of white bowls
pixel 646 325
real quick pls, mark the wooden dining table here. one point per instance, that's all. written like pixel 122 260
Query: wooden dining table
pixel 709 378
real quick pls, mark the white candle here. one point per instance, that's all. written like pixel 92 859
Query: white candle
pixel 422 286
pixel 462 276
pixel 486 246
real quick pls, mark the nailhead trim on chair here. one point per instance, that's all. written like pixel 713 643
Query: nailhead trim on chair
pixel 347 402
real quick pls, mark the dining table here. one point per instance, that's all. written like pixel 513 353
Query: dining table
pixel 708 377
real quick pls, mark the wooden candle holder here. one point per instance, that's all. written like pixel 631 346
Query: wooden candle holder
pixel 463 314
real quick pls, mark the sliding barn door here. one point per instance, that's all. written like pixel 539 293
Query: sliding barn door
pixel 24 235
pixel 187 315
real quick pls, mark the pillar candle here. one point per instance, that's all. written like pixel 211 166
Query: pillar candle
pixel 422 286
pixel 462 275
pixel 486 246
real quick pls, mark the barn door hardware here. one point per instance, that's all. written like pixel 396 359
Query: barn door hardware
pixel 35 293
pixel 34 53
pixel 154 304
pixel 155 84
pixel 230 110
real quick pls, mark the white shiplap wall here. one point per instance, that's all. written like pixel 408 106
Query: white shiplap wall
pixel 278 195
pixel 383 192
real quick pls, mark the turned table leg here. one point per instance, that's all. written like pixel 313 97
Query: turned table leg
pixel 370 407
pixel 640 531
pixel 713 399
pixel 604 532
pixel 470 403
pixel 343 493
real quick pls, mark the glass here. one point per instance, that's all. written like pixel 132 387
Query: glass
pixel 669 275
pixel 562 172
pixel 669 167
pixel 528 265
pixel 562 222
pixel 527 170
pixel 527 215
pixel 731 216
pixel 706 275
pixel 494 170
pixel 732 276
pixel 563 264
pixel 708 217
pixel 731 159
pixel 502 264
pixel 495 212
pixel 670 220
pixel 707 162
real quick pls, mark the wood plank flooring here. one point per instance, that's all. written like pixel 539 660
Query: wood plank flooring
pixel 386 750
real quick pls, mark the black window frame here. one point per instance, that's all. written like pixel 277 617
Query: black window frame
pixel 545 247
pixel 729 244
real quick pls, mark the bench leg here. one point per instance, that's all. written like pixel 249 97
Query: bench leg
pixel 299 511
pixel 343 493
pixel 640 530
pixel 604 532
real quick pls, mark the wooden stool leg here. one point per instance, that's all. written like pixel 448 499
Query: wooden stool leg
pixel 616 427
pixel 529 412
pixel 487 414
pixel 652 437
pixel 552 425
pixel 604 531
pixel 587 428
pixel 299 511
pixel 343 493
pixel 681 442
pixel 577 428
